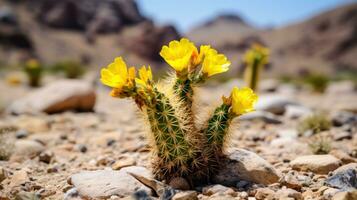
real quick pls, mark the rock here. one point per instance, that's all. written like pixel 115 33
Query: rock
pixel 341 87
pixel 100 16
pixel 262 116
pixel 146 40
pixel 217 189
pixel 295 111
pixel 342 135
pixel 344 157
pixel 2 174
pixel 291 181
pixel 186 195
pixel 264 193
pixel 125 162
pixel 18 178
pixel 320 164
pixel 329 193
pixel 179 183
pixel 33 124
pixel 28 148
pixel 274 104
pixel 288 193
pixel 343 117
pixel 269 85
pixel 245 165
pixel 344 168
pixel 350 195
pixel 282 142
pixel 57 97
pixel 46 156
pixel 71 194
pixel 105 183
pixel 344 180
pixel 287 133
pixel 20 134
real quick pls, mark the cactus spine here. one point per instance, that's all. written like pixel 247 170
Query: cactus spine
pixel 172 145
pixel 217 129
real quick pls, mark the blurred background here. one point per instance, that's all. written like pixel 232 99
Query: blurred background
pixel 75 38
pixel 51 53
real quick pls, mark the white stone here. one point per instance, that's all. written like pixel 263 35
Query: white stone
pixel 105 183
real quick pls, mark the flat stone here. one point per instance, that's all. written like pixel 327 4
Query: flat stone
pixel 125 162
pixel 186 195
pixel 216 189
pixel 320 164
pixel 245 165
pixel 27 148
pixel 105 183
pixel 274 104
pixel 57 97
pixel 296 111
pixel 264 193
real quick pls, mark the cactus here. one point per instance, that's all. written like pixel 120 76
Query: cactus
pixel 34 72
pixel 255 58
pixel 180 147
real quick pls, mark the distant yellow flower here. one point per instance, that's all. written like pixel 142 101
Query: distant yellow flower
pixel 145 77
pixel 243 100
pixel 214 63
pixel 32 64
pixel 116 75
pixel 258 54
pixel 178 54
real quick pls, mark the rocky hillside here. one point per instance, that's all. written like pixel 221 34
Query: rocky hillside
pixel 326 42
pixel 93 32
pixel 90 31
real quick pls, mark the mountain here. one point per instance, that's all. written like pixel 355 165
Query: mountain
pixel 325 43
pixel 90 31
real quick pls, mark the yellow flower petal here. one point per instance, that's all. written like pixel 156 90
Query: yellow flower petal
pixel 116 74
pixel 243 100
pixel 214 63
pixel 178 54
pixel 145 77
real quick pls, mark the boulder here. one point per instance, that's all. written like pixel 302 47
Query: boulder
pixel 320 164
pixel 245 165
pixel 57 97
pixel 105 183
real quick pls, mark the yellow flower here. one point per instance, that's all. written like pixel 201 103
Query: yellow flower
pixel 32 64
pixel 116 75
pixel 145 77
pixel 243 100
pixel 257 53
pixel 178 54
pixel 214 63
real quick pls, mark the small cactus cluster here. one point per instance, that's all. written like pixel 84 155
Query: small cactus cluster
pixel 181 147
pixel 255 59
pixel 34 71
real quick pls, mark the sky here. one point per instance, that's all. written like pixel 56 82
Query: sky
pixel 186 14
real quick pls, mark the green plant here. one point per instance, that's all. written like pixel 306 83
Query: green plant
pixel 71 69
pixel 34 71
pixel 318 82
pixel 315 123
pixel 320 145
pixel 181 147
pixel 255 59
